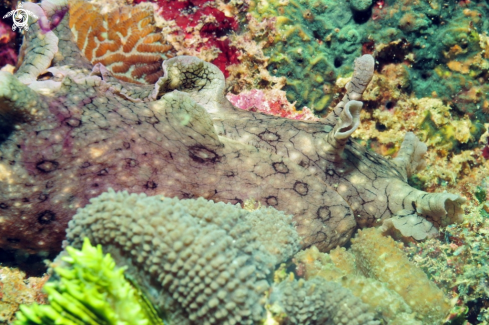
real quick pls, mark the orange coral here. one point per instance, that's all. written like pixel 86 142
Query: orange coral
pixel 124 40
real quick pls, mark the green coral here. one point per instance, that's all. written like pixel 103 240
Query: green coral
pixel 319 39
pixel 360 5
pixel 91 290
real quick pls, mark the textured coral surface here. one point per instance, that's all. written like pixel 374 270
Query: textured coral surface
pixel 69 137
pixel 17 289
pixel 212 25
pixel 441 45
pixel 377 270
pixel 210 263
pixel 124 40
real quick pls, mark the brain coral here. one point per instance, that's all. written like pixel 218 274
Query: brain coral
pixel 124 40
pixel 77 131
pixel 208 263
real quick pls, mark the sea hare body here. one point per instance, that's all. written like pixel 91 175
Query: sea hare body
pixel 70 131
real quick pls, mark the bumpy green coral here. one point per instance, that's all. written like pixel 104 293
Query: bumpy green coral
pixel 91 290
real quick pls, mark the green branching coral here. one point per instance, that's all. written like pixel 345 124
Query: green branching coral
pixel 91 290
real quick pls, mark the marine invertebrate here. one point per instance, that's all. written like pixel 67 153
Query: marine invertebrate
pixel 91 290
pixel 319 302
pixel 207 263
pixel 124 40
pixel 376 270
pixel 70 137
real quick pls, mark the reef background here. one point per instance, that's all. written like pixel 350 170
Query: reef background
pixel 291 58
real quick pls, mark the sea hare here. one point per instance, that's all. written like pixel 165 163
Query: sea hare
pixel 70 131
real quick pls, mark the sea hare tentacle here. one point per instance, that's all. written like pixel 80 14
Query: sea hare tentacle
pixel 38 49
pixel 410 156
pixel 348 122
pixel 363 73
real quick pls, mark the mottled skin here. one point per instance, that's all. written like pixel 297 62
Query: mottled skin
pixel 81 131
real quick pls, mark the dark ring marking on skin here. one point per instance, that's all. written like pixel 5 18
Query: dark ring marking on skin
pixel 42 197
pixel 73 122
pixel 131 162
pixel 46 217
pixel 301 188
pixel 323 213
pixel 3 206
pixel 150 185
pixel 47 166
pixel 280 167
pixel 202 155
pixel 271 201
pixel 268 136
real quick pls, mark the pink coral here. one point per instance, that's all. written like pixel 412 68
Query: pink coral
pixel 271 102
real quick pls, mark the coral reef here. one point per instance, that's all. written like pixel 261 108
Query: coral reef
pixel 459 262
pixel 439 45
pixel 124 40
pixel 377 271
pixel 206 24
pixel 318 302
pixel 90 290
pixel 450 138
pixel 208 263
pixel 17 289
pixel 70 136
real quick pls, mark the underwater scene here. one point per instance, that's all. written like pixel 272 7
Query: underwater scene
pixel 225 162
